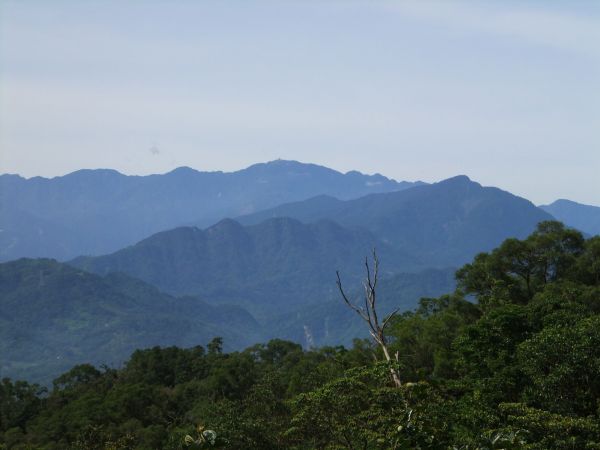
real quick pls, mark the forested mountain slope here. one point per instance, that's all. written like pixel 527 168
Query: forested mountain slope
pixel 444 224
pixel 53 316
pixel 273 267
pixel 329 321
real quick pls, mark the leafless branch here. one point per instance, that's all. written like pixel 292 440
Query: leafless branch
pixel 369 312
pixel 387 319
pixel 358 310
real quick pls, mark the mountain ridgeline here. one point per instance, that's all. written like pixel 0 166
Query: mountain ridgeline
pixel 269 274
pixel 585 218
pixel 282 264
pixel 92 212
pixel 277 265
pixel 442 224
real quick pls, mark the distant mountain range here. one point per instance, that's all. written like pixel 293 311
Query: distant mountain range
pixel 442 224
pixel 279 262
pixel 585 218
pixel 92 212
pixel 171 267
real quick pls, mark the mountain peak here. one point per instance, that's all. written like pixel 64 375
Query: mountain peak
pixel 225 225
pixel 583 217
pixel 284 162
pixel 459 182
pixel 182 170
pixel 564 202
pixel 279 164
pixel 84 173
pixel 457 179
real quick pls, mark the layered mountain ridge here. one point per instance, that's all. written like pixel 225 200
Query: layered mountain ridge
pixel 248 278
pixel 445 223
pixel 278 263
pixel 92 212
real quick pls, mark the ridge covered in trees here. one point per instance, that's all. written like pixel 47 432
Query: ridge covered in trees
pixel 54 316
pixel 509 360
pixel 443 224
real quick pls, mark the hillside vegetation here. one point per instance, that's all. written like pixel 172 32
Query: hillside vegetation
pixel 276 265
pixel 53 316
pixel 509 360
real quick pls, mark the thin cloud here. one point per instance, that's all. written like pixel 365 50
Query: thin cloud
pixel 559 30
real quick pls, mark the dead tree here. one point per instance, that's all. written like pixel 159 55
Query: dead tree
pixel 369 312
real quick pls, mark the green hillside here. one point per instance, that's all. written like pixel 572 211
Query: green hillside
pixel 53 316
pixel 510 360
pixel 330 322
pixel 275 266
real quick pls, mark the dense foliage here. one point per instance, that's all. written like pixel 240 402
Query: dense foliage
pixel 510 360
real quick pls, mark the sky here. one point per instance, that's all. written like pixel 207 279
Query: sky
pixel 505 92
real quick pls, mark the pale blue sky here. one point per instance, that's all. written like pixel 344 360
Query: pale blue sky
pixel 505 92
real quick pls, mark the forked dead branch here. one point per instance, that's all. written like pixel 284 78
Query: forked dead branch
pixel 368 312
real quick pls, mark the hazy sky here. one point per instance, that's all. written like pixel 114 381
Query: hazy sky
pixel 505 92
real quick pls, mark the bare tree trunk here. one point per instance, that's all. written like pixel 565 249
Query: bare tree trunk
pixel 369 313
pixel 394 372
